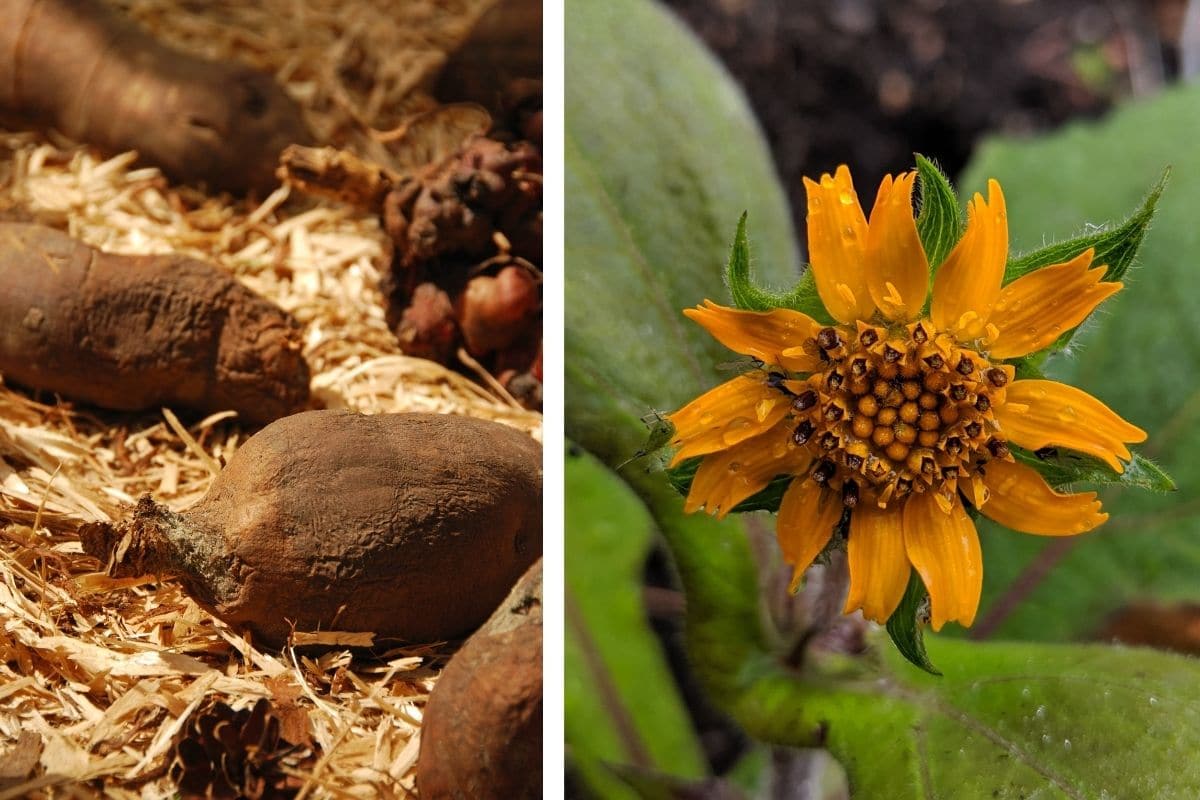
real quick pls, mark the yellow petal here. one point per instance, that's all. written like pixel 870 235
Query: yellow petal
pixel 727 478
pixel 1020 499
pixel 944 548
pixel 966 287
pixel 721 417
pixel 897 270
pixel 1035 309
pixel 837 232
pixel 761 334
pixel 878 564
pixel 1037 414
pixel 806 520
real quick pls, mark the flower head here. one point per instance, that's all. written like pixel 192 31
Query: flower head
pixel 902 414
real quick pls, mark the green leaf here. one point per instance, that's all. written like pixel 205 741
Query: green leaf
pixel 907 623
pixel 662 156
pixel 747 294
pixel 1064 469
pixel 620 698
pixel 1055 722
pixel 1139 355
pixel 1116 247
pixel 940 223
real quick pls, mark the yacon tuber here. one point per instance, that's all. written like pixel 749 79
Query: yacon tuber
pixel 481 736
pixel 135 332
pixel 410 526
pixel 79 67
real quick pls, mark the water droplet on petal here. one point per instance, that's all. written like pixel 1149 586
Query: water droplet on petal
pixel 764 407
pixel 734 467
pixel 735 431
pixel 846 198
pixel 706 419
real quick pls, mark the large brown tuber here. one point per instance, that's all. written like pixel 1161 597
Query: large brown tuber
pixel 410 526
pixel 481 736
pixel 79 67
pixel 136 332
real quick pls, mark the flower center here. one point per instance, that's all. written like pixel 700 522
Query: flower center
pixel 897 411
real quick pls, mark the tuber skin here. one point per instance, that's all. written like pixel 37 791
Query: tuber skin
pixel 481 735
pixel 137 332
pixel 77 66
pixel 410 526
pixel 494 311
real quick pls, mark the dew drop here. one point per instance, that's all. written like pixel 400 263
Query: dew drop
pixel 1045 738
pixel 1040 713
pixel 1066 744
pixel 1153 700
pixel 734 467
pixel 1068 414
pixel 735 431
pixel 846 198
pixel 1025 692
pixel 848 234
pixel 764 407
pixel 706 419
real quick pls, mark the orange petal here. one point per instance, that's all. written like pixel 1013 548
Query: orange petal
pixel 1022 500
pixel 1037 414
pixel 878 564
pixel 837 232
pixel 944 548
pixel 1035 309
pixel 807 517
pixel 968 284
pixel 727 478
pixel 721 417
pixel 761 334
pixel 897 270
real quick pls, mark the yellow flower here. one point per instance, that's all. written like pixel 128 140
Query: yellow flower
pixel 897 417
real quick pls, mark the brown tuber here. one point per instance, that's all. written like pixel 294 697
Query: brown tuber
pixel 79 67
pixel 136 332
pixel 481 736
pixel 409 526
pixel 495 311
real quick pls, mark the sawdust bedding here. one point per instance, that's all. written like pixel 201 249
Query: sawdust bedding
pixel 100 678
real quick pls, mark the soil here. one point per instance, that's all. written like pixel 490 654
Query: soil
pixel 868 83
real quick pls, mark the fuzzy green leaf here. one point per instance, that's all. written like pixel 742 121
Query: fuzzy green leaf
pixel 907 623
pixel 620 698
pixel 1115 247
pixel 1007 720
pixel 1062 469
pixel 746 294
pixel 940 224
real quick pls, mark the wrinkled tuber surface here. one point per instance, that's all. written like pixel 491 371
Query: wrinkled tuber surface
pixel 467 236
pixel 481 735
pixel 136 332
pixel 410 526
pixel 79 67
